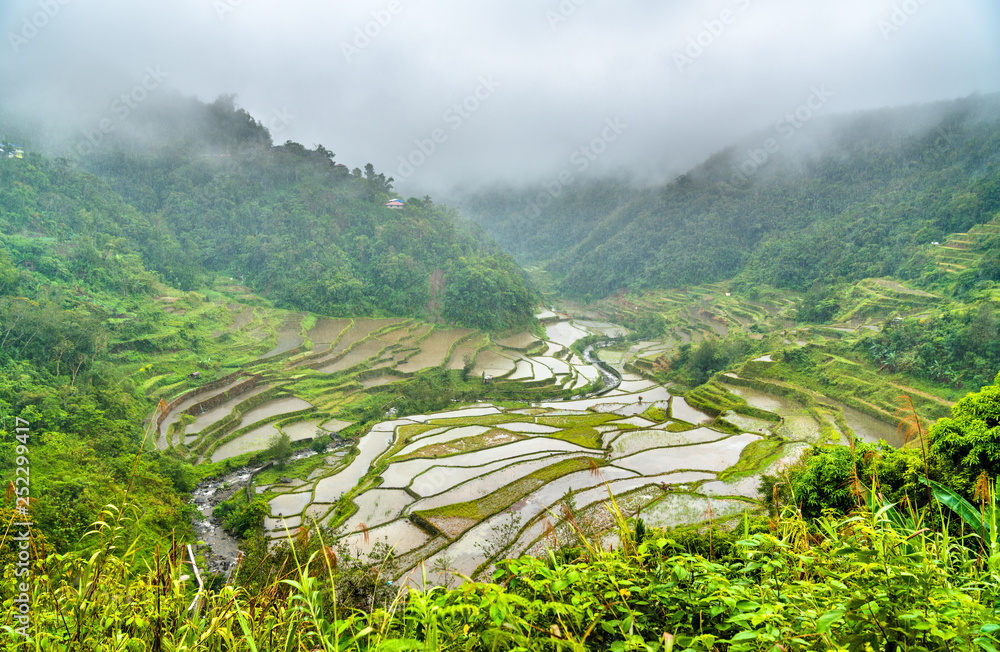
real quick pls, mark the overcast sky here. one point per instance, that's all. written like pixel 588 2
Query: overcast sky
pixel 507 91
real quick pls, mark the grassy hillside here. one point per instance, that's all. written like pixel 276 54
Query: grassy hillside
pixel 221 302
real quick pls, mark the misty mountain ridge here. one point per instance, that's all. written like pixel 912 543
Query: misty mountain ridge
pixel 841 197
pixel 196 190
pixel 793 204
pixel 792 146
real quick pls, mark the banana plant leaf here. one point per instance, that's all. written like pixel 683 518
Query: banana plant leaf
pixel 981 521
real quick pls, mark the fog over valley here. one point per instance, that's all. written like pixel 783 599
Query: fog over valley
pixel 448 95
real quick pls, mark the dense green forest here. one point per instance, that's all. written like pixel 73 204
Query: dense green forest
pixel 213 196
pixel 536 227
pixel 847 197
pixel 59 312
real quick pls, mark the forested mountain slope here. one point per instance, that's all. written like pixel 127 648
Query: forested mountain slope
pixel 844 198
pixel 536 227
pixel 194 189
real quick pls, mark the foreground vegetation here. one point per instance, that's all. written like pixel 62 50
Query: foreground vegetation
pixel 837 566
pixel 861 582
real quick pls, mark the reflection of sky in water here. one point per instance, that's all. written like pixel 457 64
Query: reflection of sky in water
pixel 716 456
pixel 372 445
pixel 255 440
pixel 401 535
pixel 435 479
pixel 684 509
pixel 486 484
pixel 449 435
pixel 377 506
pixel 564 333
pixel 634 441
pixel 679 409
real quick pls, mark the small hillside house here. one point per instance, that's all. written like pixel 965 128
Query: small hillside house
pixel 395 203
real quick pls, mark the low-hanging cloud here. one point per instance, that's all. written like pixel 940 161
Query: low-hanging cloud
pixel 377 80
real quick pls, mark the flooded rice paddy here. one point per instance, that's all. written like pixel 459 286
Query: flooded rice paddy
pixel 434 479
pixel 518 341
pixel 688 509
pixel 434 350
pixel 255 440
pixel 288 336
pixel 716 456
pixel 275 407
pixel 799 425
pixel 303 430
pixel 493 364
pixel 679 409
pixel 216 414
pixel 564 333
pixel 326 332
pixel 361 329
pixel 868 428
pixel 363 351
pixel 640 440
pixel 471 473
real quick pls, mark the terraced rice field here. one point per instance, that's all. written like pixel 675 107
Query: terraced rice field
pixel 289 335
pixel 466 350
pixel 494 364
pixel 564 333
pixel 434 350
pixel 366 350
pixel 448 484
pixel 216 414
pixel 326 332
pixel 463 485
pixel 255 440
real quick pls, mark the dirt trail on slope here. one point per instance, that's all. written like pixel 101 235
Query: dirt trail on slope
pixel 433 309
pixel 910 390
